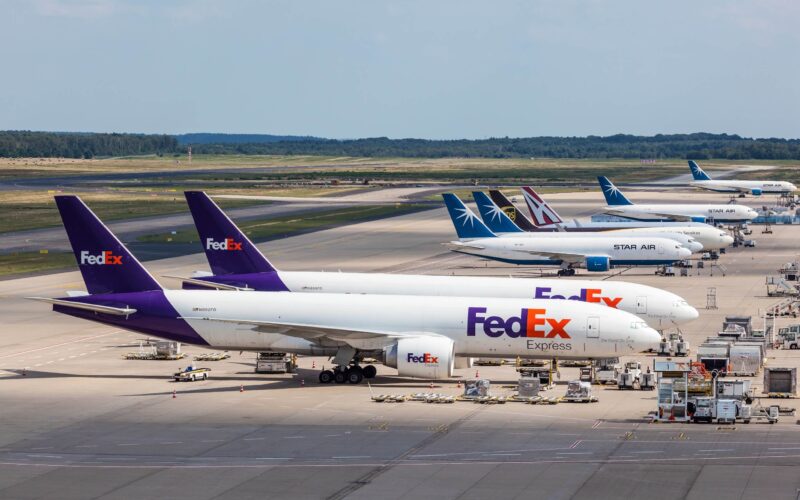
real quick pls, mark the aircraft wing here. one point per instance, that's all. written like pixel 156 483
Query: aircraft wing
pixel 675 217
pixel 362 339
pixel 569 258
pixel 209 284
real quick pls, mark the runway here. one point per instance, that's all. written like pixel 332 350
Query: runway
pixel 84 423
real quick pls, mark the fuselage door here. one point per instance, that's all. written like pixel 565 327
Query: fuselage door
pixel 592 327
pixel 641 304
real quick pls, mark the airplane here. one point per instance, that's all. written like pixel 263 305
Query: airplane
pixel 596 254
pixel 240 265
pixel 756 188
pixel 710 237
pixel 500 224
pixel 621 206
pixel 420 336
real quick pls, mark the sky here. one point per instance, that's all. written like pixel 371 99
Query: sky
pixel 427 69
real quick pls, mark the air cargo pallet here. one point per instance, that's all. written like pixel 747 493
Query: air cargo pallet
pixel 152 357
pixel 592 399
pixel 212 356
pixel 389 398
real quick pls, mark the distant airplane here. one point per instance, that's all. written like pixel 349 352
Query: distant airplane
pixel 621 206
pixel 246 268
pixel 756 188
pixel 710 237
pixel 499 223
pixel 596 254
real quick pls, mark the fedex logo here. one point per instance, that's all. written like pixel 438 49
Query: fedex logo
pixel 105 258
pixel 425 359
pixel 529 323
pixel 585 295
pixel 226 244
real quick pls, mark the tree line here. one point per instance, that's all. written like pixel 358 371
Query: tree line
pixel 699 146
pixel 22 143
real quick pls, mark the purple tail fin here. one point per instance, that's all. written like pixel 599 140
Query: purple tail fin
pixel 106 265
pixel 227 249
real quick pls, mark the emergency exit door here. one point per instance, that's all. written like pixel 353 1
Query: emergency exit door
pixel 592 327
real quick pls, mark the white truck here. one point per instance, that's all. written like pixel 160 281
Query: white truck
pixel 607 371
pixel 630 376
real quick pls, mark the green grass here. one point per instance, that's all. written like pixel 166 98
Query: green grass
pixel 260 230
pixel 34 262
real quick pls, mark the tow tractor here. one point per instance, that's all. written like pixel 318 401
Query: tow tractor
pixel 631 376
pixel 191 373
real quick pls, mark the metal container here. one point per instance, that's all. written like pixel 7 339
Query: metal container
pixel 528 387
pixel 780 381
pixel 745 360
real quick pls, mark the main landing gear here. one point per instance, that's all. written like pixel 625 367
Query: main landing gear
pixel 569 271
pixel 353 374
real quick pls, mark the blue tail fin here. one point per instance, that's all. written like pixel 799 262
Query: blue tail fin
pixel 467 224
pixel 106 265
pixel 495 219
pixel 697 172
pixel 612 193
pixel 227 249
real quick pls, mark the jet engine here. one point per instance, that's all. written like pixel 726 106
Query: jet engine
pixel 422 357
pixel 597 263
pixel 756 191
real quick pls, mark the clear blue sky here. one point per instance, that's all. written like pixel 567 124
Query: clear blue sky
pixel 430 69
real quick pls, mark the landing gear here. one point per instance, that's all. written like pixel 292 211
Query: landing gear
pixel 354 374
pixel 566 272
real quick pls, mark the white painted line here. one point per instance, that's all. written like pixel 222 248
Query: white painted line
pixel 332 435
pixel 86 446
pixel 171 442
pixel 642 452
pixel 502 454
pixel 714 451
pixel 212 440
pixel 294 437
pixel 253 439
pixel 129 444
pixel 273 458
pixel 352 456
pixel 55 345
pixel 783 449
pixel 574 453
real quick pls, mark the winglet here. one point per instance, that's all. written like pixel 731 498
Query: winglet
pixel 697 172
pixel 541 213
pixel 105 263
pixel 467 224
pixel 227 248
pixel 612 193
pixel 493 216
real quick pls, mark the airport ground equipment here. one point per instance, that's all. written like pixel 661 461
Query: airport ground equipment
pixel 726 411
pixel 780 287
pixel 579 392
pixel 648 381
pixel 275 362
pixel 703 409
pixel 745 360
pixel 477 388
pixel 789 337
pixel 607 371
pixel 528 387
pixel 212 356
pixel 780 382
pixel 746 322
pixel 631 376
pixel 672 387
pixel 586 374
pixel 489 361
pixel 157 350
pixel 543 373
pixel 191 373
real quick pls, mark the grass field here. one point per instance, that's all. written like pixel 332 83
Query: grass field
pixel 32 262
pixel 261 230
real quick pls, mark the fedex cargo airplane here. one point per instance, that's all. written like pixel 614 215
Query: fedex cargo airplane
pixel 419 335
pixel 619 205
pixel 596 254
pixel 500 224
pixel 237 264
pixel 704 181
pixel 544 218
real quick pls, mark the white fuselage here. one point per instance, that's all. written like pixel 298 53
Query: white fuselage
pixel 733 186
pixel 719 213
pixel 620 250
pixel 679 237
pixel 477 326
pixel 659 308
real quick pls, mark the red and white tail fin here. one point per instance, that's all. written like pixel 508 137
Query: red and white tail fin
pixel 541 213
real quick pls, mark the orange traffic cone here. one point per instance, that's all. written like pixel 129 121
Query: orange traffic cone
pixel 241 388
pixel 174 394
pixel 313 365
pixel 459 384
pixel 431 385
pixel 477 375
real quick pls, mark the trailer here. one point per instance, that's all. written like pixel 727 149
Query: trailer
pixel 745 360
pixel 275 362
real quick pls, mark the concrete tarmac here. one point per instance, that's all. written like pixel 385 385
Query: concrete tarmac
pixel 78 421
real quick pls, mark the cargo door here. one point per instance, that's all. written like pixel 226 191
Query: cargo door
pixel 592 327
pixel 780 381
pixel 641 304
pixel 660 249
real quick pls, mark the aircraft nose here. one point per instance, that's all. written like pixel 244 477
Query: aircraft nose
pixel 648 339
pixel 684 253
pixel 686 313
pixel 727 240
pixel 695 246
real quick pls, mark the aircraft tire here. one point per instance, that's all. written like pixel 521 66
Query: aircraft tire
pixel 369 371
pixel 325 377
pixel 340 376
pixel 355 376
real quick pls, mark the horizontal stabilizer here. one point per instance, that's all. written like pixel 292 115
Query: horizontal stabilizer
pixel 116 311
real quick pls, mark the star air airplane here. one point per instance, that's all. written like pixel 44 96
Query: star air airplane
pixel 621 206
pixel 596 254
pixel 420 336
pixel 545 219
pixel 704 181
pixel 241 266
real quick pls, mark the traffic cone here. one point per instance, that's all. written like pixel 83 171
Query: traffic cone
pixel 174 394
pixel 313 365
pixel 459 384
pixel 430 386
pixel 302 382
pixel 477 375
pixel 241 388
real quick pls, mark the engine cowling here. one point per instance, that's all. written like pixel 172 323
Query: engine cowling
pixel 598 263
pixel 698 218
pixel 422 357
pixel 756 191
